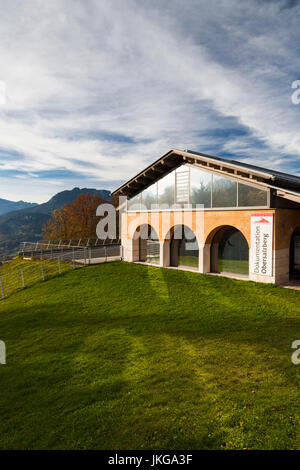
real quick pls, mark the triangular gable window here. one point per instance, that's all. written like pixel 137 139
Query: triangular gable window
pixel 196 188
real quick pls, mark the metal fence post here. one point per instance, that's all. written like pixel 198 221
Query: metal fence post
pixel 90 255
pixel 59 265
pixel 84 249
pixel 1 287
pixel 105 250
pixel 42 270
pixel 73 258
pixel 22 277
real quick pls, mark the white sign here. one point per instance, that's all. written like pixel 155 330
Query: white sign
pixel 261 253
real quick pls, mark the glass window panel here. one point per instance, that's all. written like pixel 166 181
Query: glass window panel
pixel 200 187
pixel 233 252
pixel 134 204
pixel 224 192
pixel 250 196
pixel 149 197
pixel 153 251
pixel 185 251
pixel 152 246
pixel 165 188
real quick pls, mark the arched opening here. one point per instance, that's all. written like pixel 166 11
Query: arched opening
pixel 148 246
pixel 184 249
pixel 229 252
pixel 295 255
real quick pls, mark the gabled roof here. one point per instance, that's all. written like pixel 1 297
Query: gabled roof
pixel 284 183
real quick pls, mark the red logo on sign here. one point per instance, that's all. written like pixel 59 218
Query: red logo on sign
pixel 262 221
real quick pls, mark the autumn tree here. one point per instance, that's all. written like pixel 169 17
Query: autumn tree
pixel 75 220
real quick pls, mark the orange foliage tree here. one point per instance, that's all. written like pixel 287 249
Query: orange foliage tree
pixel 74 220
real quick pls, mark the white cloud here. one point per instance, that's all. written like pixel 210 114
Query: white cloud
pixel 162 75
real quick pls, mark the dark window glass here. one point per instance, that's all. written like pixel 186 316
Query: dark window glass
pixel 184 251
pixel 149 197
pixel 200 187
pixel 149 248
pixel 153 251
pixel 134 204
pixel 233 252
pixel 250 196
pixel 165 188
pixel 224 192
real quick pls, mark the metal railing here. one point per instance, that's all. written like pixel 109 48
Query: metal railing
pixel 70 243
pixel 53 261
pixel 73 254
pixel 26 276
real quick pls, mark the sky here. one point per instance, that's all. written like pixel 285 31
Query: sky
pixel 96 90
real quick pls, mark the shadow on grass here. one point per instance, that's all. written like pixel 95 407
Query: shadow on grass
pixel 122 364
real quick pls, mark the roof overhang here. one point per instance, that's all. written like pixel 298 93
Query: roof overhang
pixel 175 158
pixel 283 185
pixel 168 162
pixel 287 194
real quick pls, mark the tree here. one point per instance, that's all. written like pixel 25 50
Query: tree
pixel 74 220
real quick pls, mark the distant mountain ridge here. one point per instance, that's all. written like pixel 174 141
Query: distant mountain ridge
pixel 8 206
pixel 62 198
pixel 26 224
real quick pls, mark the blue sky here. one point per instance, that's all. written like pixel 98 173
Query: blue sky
pixel 96 90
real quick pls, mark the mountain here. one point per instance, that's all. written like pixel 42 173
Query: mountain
pixel 8 206
pixel 62 198
pixel 26 224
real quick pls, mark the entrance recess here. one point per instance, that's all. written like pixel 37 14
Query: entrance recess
pixel 230 252
pixel 149 248
pixel 184 249
pixel 295 255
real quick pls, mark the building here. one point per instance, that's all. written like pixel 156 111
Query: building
pixel 213 215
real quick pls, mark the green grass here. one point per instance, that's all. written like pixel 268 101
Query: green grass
pixel 14 264
pixel 125 356
pixel 33 271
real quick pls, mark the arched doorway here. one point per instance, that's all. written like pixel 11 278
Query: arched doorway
pixel 230 252
pixel 147 244
pixel 295 255
pixel 184 249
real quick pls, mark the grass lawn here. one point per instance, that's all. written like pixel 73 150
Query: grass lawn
pixel 32 271
pixel 125 356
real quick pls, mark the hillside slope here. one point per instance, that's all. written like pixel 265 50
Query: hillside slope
pixel 122 356
pixel 26 224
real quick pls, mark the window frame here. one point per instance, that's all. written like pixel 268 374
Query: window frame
pixel 236 179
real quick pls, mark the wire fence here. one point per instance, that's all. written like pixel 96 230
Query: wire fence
pixel 74 255
pixel 26 276
pixel 53 261
pixel 63 244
